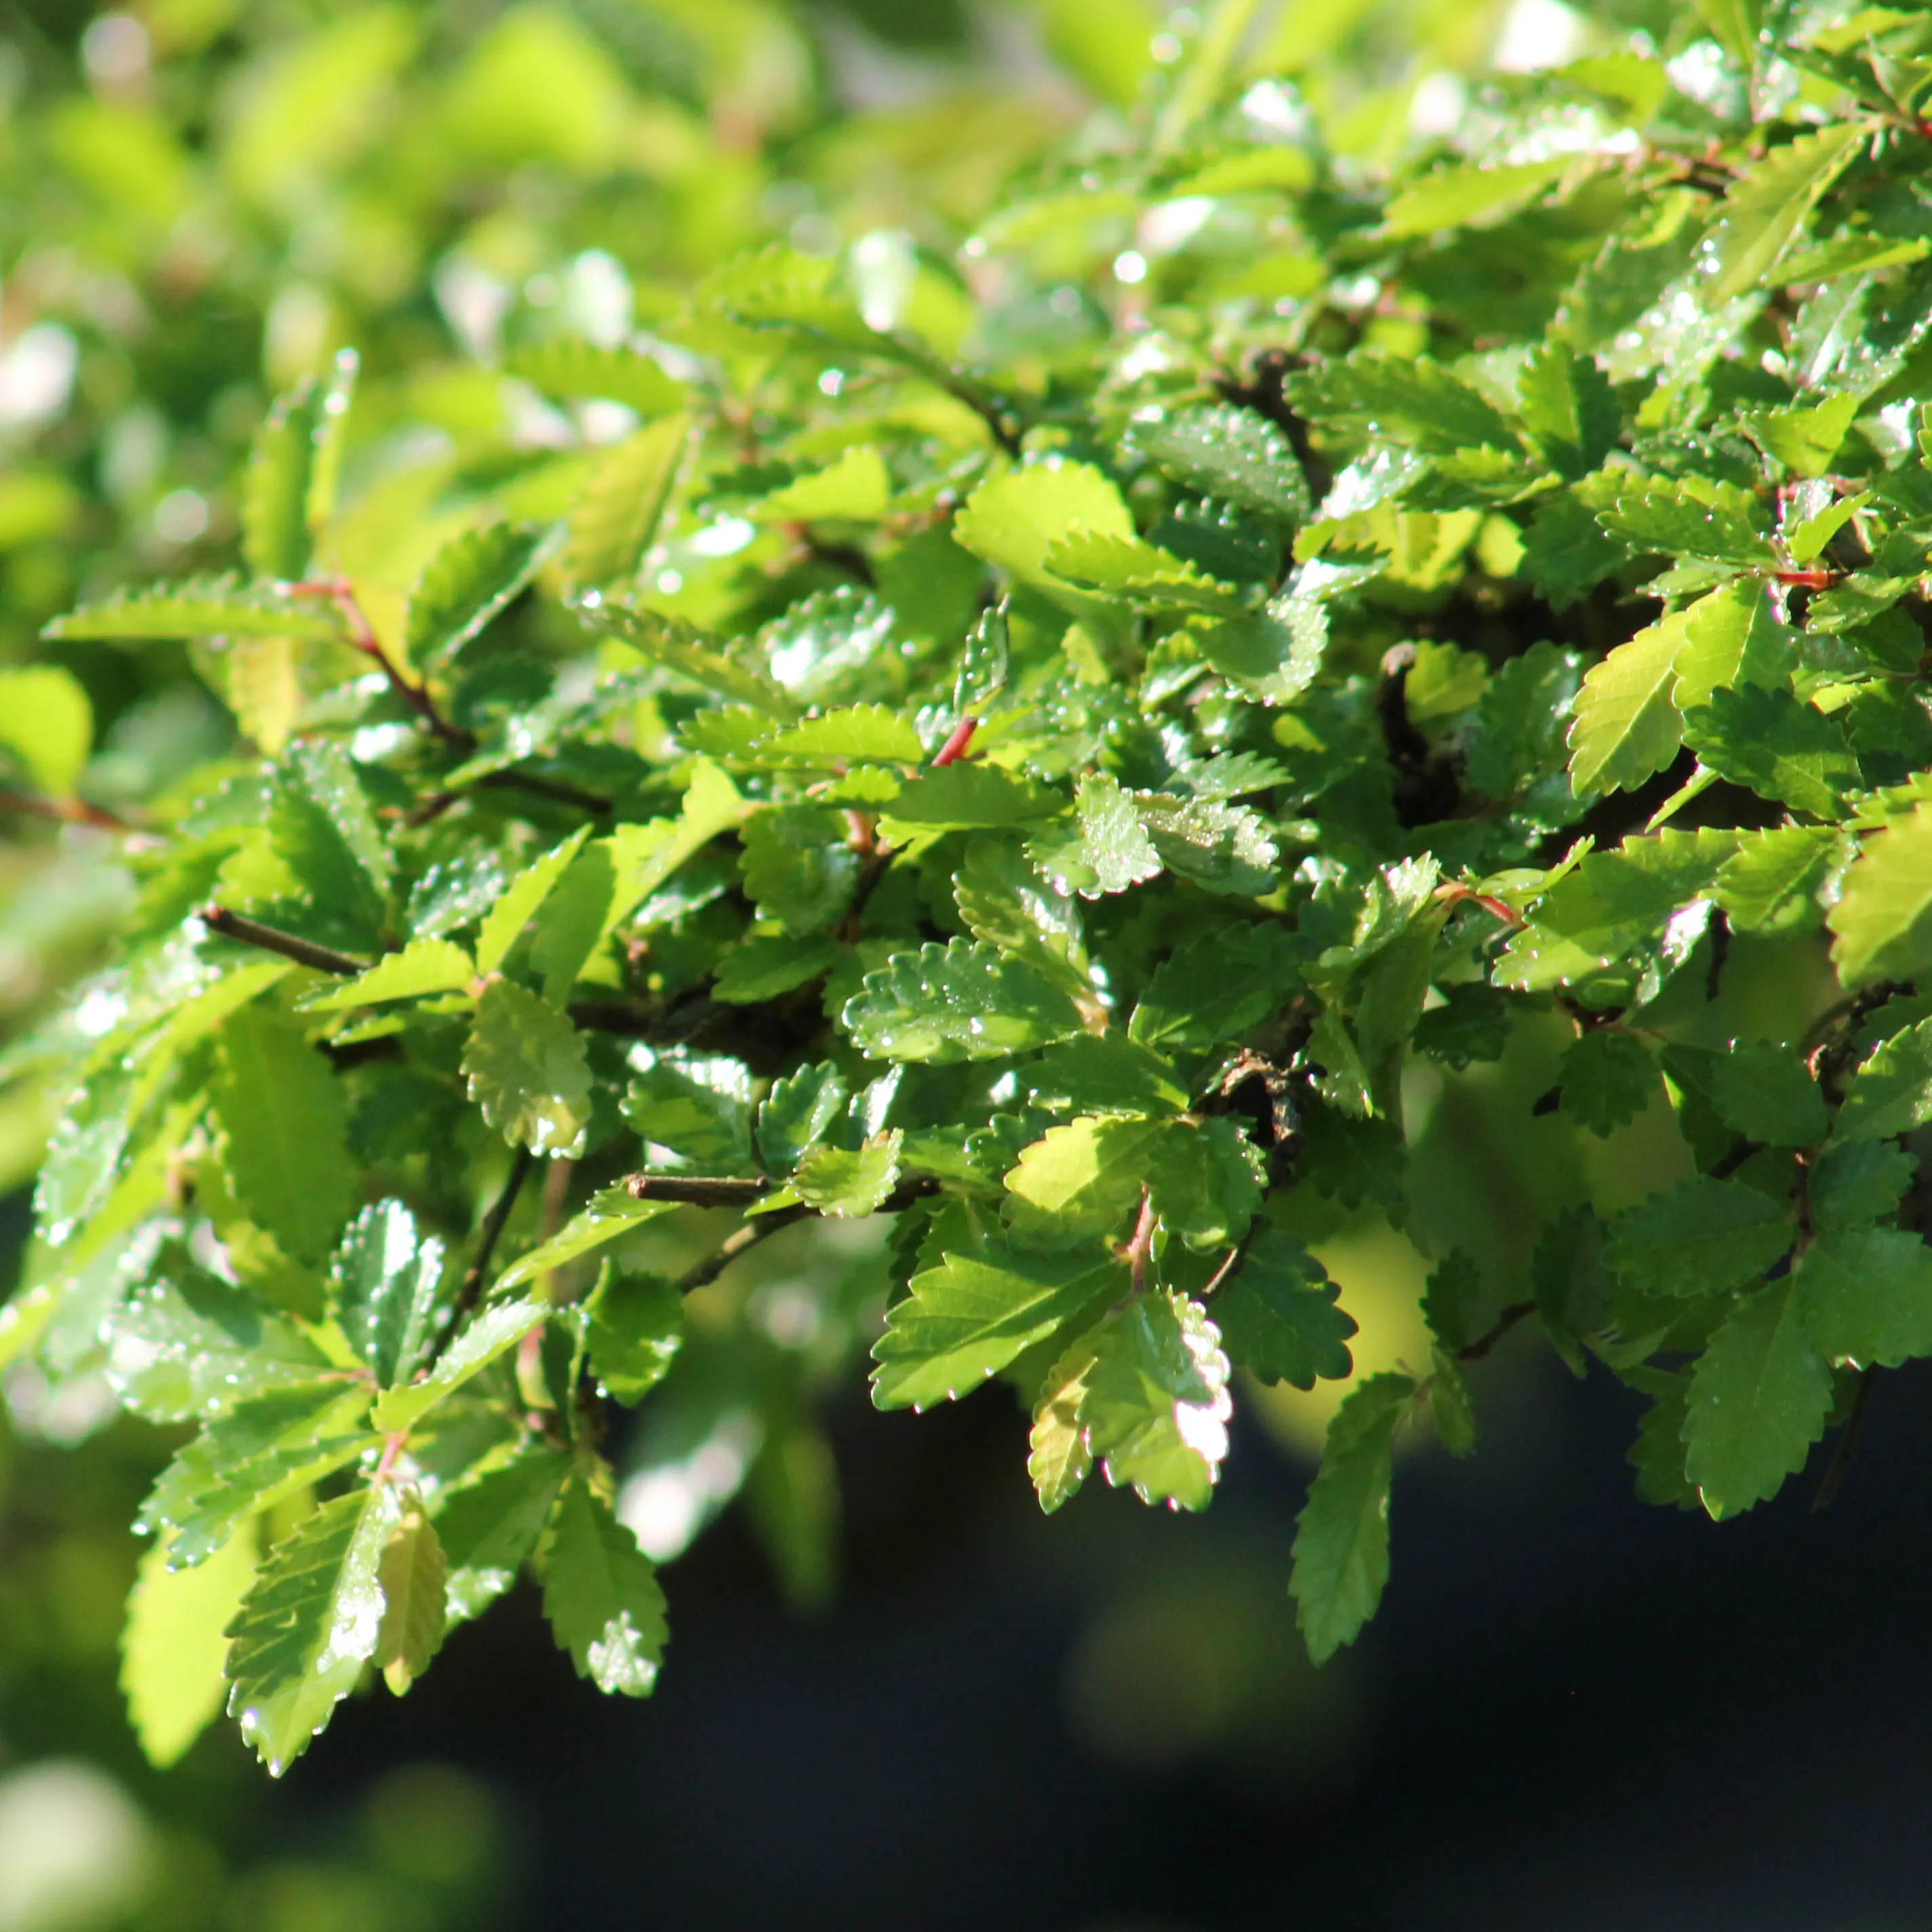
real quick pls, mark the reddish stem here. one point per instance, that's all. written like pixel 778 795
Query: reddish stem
pixel 1806 580
pixel 362 638
pixel 955 746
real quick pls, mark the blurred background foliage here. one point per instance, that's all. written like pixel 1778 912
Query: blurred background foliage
pixel 200 200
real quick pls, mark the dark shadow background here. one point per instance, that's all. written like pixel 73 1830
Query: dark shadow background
pixel 1574 1712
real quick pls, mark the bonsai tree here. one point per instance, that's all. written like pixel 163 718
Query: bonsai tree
pixel 1018 780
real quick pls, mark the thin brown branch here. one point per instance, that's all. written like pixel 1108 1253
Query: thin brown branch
pixel 1476 1350
pixel 556 789
pixel 64 810
pixel 696 1190
pixel 757 1229
pixel 471 1290
pixel 735 1244
pixel 271 939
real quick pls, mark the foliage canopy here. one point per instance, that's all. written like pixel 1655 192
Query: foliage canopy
pixel 1015 775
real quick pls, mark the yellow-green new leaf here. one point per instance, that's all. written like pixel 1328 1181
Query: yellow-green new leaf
pixel 615 519
pixel 424 966
pixel 413 1576
pixel 47 724
pixel 1626 724
pixel 173 1647
pixel 1882 925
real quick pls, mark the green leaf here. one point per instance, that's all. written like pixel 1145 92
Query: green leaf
pixel 1410 400
pixel 1452 1299
pixel 601 1596
pixel 1217 986
pixel 1234 454
pixel 612 523
pixel 692 1110
pixel 1892 1092
pixel 1625 723
pixel 1224 849
pixel 1683 516
pixel 518 903
pixel 1881 924
pixel 208 607
pixel 964 1001
pixel 285 1124
pixel 1608 1078
pixel 1138 572
pixel 800 866
pixel 565 367
pixel 1767 1094
pixel 413 1577
pixel 1106 1073
pixel 1014 520
pixel 498 1329
pixel 1568 405
pixel 637 1327
pixel 1083 1178
pixel 849 1184
pixel 1341 1539
pixel 424 966
pixel 1699 1237
pixel 1760 1396
pixel 1772 872
pixel 769 963
pixel 1854 1182
pixel 1658 1454
pixel 173 1647
pixel 1566 552
pixel 1058 1460
pixel 1155 1404
pixel 471 579
pixel 607 880
pixel 1278 1316
pixel 47 723
pixel 1770 744
pixel 969 1317
pixel 609 1212
pixel 673 646
pixel 1804 439
pixel 266 1447
pixel 526 1068
pixel 186 1344
pixel 857 488
pixel 797 1113
pixel 325 830
pixel 1103 849
pixel 1732 638
pixel 290 492
pixel 1469 197
pixel 1737 24
pixel 1763 213
pixel 489 1528
pixel 384 1286
pixel 309 1623
pixel 856 735
pixel 1866 1296
pixel 966 798
pixel 1205 1180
